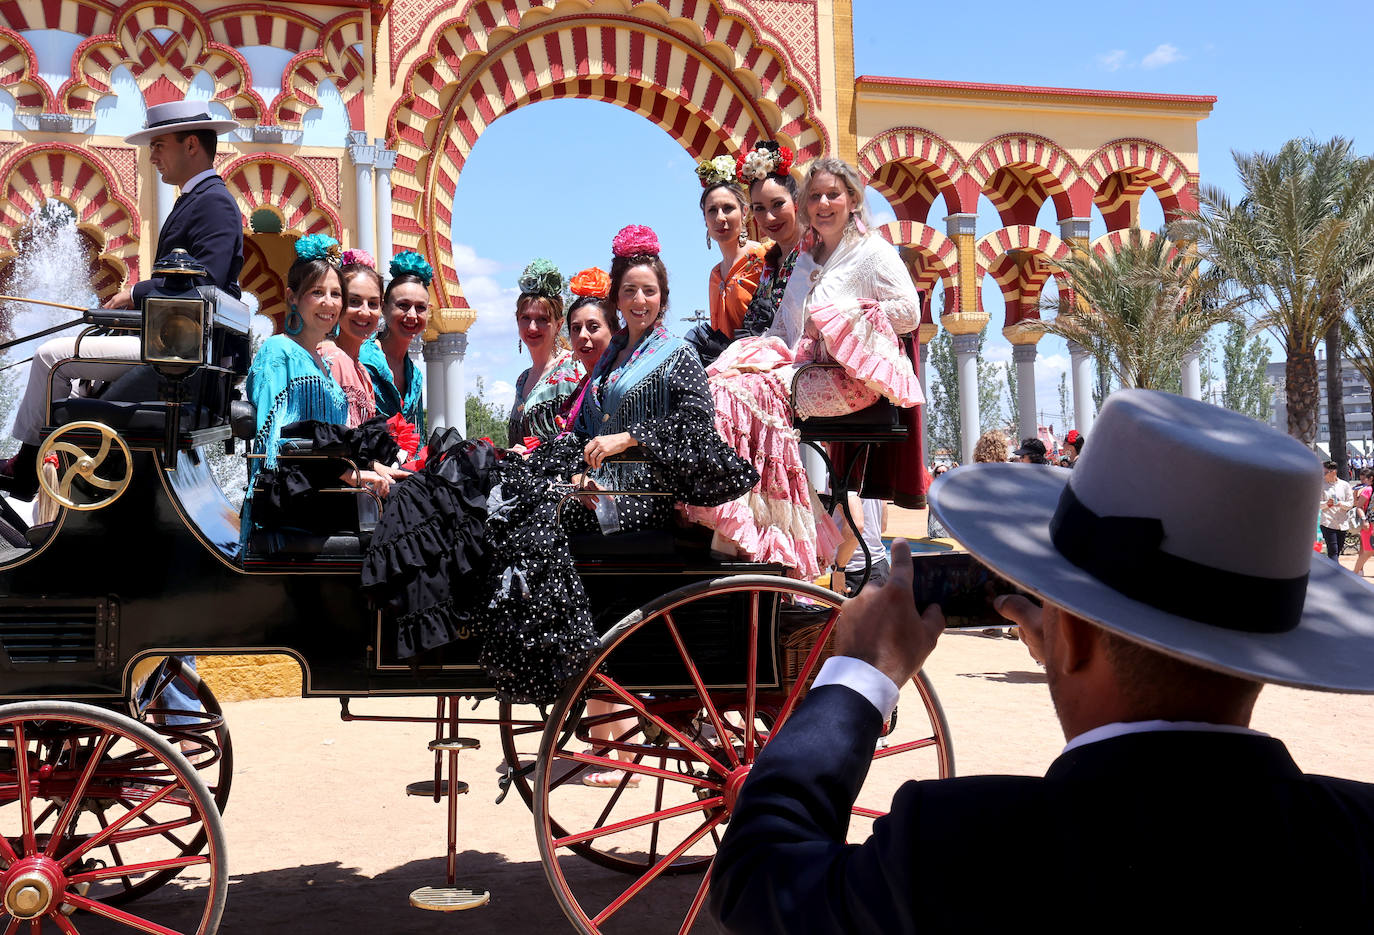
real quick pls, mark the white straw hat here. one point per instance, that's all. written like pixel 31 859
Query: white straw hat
pixel 179 117
pixel 1185 527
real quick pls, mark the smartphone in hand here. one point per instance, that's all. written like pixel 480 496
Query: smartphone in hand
pixel 963 587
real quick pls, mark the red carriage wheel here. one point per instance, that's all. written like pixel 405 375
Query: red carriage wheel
pixel 700 678
pixel 92 806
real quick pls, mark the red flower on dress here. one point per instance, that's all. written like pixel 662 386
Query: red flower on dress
pixel 404 433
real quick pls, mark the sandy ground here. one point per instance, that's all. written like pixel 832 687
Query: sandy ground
pixel 321 838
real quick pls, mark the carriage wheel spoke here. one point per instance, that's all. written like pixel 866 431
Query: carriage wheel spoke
pixel 654 872
pixel 807 669
pixel 97 751
pixel 751 681
pixel 863 812
pixel 117 915
pixel 21 762
pixel 702 693
pixel 695 909
pixel 65 924
pixel 13 927
pixel 162 826
pixel 114 849
pixel 108 830
pixel 126 871
pixel 667 728
pixel 658 815
pixel 615 796
pixel 905 747
pixel 658 807
pixel 637 767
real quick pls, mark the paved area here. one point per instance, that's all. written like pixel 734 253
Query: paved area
pixel 323 840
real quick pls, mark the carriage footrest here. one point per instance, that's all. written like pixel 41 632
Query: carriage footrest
pixel 455 743
pixel 448 898
pixel 425 787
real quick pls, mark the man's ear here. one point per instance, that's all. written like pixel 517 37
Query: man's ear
pixel 1079 639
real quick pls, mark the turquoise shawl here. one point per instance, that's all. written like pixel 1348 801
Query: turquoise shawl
pixel 286 385
pixel 628 395
pixel 390 399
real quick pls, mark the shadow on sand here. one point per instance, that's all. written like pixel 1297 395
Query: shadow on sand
pixel 1011 678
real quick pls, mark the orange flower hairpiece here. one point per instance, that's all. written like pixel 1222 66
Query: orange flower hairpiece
pixel 593 281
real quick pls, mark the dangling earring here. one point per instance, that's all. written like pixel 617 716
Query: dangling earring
pixel 519 345
pixel 295 321
pixel 708 240
pixel 859 224
pixel 743 236
pixel 334 332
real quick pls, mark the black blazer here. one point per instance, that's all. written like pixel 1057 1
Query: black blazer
pixel 206 223
pixel 1162 832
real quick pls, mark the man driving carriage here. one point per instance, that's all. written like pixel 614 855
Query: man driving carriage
pixel 205 222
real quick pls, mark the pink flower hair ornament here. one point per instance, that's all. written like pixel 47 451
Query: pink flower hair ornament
pixel 635 240
pixel 354 255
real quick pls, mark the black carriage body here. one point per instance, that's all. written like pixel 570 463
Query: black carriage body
pixel 159 572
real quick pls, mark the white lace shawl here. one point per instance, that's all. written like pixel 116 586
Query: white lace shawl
pixel 863 267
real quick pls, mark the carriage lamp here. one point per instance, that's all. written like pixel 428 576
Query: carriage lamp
pixel 174 333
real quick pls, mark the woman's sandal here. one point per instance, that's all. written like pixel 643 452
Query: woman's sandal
pixel 609 779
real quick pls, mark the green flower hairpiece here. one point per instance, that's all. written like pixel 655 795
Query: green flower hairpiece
pixel 541 277
pixel 714 171
pixel 319 247
pixel 410 262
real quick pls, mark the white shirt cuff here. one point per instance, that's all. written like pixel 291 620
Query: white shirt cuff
pixel 880 690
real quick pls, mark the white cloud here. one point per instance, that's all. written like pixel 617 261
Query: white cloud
pixel 501 393
pixel 493 353
pixel 467 263
pixel 879 210
pixel 1113 60
pixel 1164 54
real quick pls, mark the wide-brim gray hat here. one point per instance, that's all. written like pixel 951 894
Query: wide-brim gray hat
pixel 1184 527
pixel 179 117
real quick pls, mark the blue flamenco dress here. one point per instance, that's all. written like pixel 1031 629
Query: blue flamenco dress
pixel 408 400
pixel 285 385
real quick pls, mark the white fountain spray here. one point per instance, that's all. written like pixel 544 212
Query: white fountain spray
pixel 53 264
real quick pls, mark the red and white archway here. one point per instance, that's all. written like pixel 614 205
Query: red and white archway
pixel 910 167
pixel 1020 260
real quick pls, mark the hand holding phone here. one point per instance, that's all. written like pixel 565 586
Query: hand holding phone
pixel 963 587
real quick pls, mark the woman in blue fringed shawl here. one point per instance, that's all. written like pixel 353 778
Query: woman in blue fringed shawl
pixel 288 381
pixel 398 383
pixel 649 396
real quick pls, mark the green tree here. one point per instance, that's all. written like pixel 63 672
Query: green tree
pixel 1243 360
pixel 942 415
pixel 1065 410
pixel 989 390
pixel 484 418
pixel 1139 309
pixel 1297 244
pixel 1013 394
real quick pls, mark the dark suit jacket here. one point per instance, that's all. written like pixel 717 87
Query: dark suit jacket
pixel 1163 832
pixel 206 223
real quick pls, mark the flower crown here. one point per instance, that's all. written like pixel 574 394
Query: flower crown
pixel 541 277
pixel 765 159
pixel 361 257
pixel 594 281
pixel 313 247
pixel 715 171
pixel 635 240
pixel 411 263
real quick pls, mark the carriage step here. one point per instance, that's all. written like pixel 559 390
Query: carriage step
pixel 448 898
pixel 455 743
pixel 425 787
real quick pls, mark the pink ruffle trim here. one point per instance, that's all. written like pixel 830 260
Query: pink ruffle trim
pixel 861 339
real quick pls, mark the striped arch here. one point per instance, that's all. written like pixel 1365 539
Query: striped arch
pixel 19 74
pixel 80 17
pixel 1021 260
pixel 931 257
pixel 910 166
pixel 1119 172
pixel 265 283
pixel 707 95
pixel 164 70
pixel 84 182
pixel 285 186
pixel 335 58
pixel 1111 241
pixel 1010 168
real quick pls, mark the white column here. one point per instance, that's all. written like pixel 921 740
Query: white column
pixel 1027 423
pixel 386 161
pixel 1192 372
pixel 1083 409
pixel 966 351
pixel 925 392
pixel 434 385
pixel 453 348
pixel 166 198
pixel 364 155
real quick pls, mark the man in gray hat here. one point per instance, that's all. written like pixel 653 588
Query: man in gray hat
pixel 205 222
pixel 1165 811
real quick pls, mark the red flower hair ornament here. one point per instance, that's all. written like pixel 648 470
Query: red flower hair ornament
pixel 594 281
pixel 635 240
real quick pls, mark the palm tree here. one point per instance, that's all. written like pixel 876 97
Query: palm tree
pixel 1139 308
pixel 1298 245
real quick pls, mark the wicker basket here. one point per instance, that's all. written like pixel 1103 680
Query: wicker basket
pixel 796 646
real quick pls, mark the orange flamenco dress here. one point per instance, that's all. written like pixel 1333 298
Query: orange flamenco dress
pixel 730 297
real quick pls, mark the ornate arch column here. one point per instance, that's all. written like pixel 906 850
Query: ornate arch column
pixel 445 383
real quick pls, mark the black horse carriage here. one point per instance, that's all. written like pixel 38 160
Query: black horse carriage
pixel 112 784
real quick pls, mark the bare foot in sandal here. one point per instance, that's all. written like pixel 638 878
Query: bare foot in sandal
pixel 609 779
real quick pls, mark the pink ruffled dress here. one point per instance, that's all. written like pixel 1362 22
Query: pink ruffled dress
pixel 350 374
pixel 847 311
